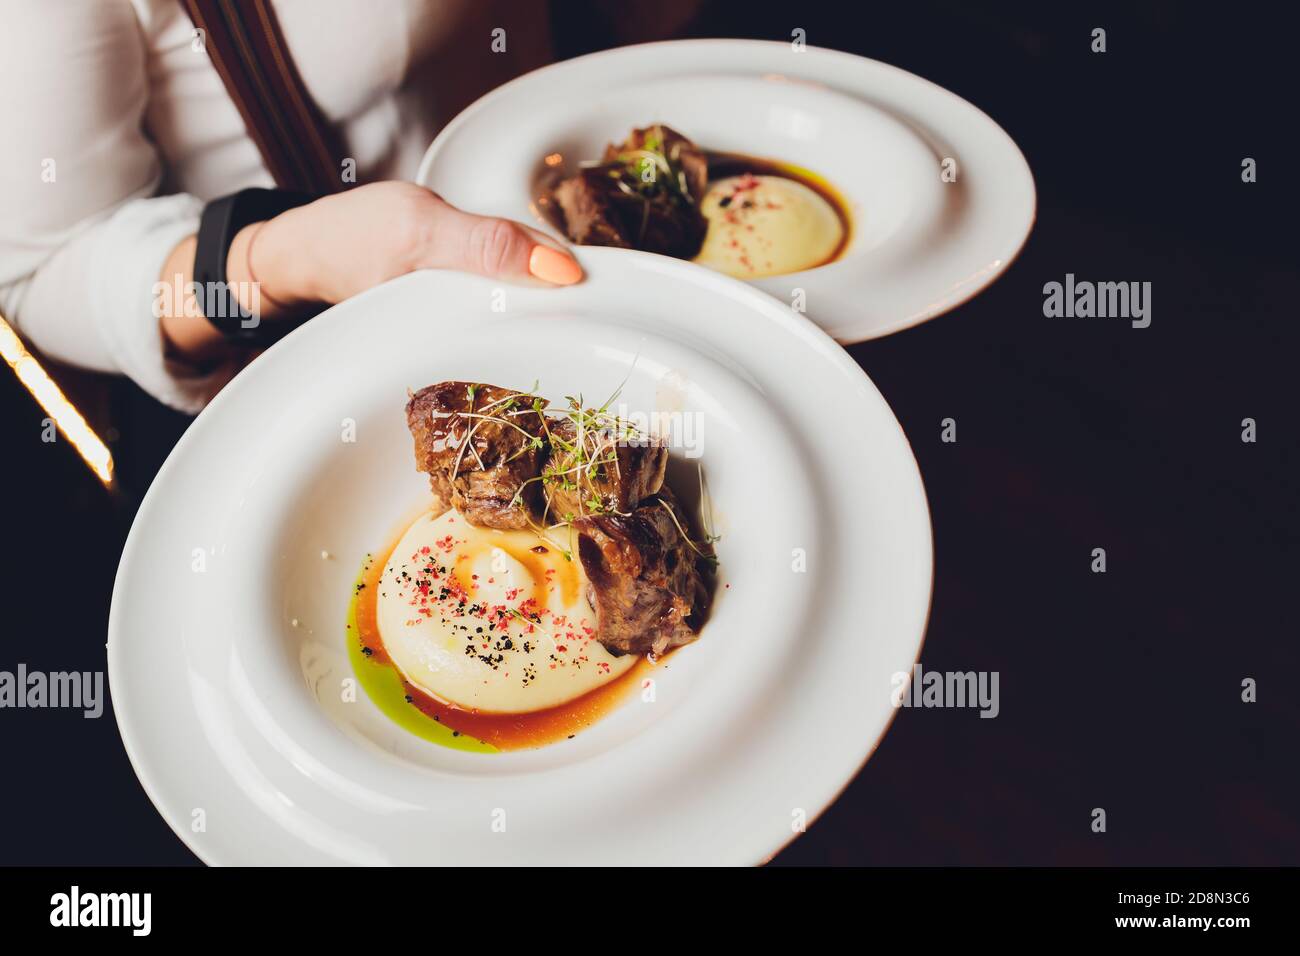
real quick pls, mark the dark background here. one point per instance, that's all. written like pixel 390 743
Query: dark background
pixel 1118 690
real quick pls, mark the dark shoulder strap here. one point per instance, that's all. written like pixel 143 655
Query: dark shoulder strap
pixel 244 42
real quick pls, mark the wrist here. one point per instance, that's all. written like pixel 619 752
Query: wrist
pixel 278 258
pixel 256 272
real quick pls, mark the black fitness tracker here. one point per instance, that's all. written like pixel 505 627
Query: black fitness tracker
pixel 221 221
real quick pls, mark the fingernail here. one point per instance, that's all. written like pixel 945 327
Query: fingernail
pixel 551 265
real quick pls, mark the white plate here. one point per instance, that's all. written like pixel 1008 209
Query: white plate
pixel 234 716
pixel 881 135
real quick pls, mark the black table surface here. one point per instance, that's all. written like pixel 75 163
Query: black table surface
pixel 1119 690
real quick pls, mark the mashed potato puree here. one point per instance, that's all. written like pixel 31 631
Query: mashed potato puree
pixel 489 620
pixel 767 225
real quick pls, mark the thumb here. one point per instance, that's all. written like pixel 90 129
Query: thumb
pixel 495 247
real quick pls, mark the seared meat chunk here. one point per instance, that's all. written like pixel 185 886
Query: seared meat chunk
pixel 604 470
pixel 482 447
pixel 646 585
pixel 644 195
pixel 590 201
pixel 598 213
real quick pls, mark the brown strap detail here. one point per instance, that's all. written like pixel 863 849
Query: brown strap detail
pixel 244 42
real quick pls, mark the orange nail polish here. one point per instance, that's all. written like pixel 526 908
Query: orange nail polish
pixel 550 265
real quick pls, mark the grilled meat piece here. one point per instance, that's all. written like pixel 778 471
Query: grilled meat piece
pixel 611 471
pixel 479 465
pixel 646 585
pixel 613 205
pixel 589 201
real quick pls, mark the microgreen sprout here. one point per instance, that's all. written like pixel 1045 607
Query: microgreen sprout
pixel 706 556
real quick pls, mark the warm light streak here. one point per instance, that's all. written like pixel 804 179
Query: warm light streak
pixel 51 398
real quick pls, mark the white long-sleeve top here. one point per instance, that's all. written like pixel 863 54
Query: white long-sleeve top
pixel 117 128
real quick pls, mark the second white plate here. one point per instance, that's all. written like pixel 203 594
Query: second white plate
pixel 923 242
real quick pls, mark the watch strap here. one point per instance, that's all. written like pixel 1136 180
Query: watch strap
pixel 221 221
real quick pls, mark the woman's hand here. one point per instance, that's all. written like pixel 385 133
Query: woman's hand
pixel 335 247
